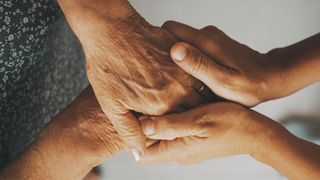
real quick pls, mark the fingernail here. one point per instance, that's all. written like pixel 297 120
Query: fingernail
pixel 136 154
pixel 180 53
pixel 148 128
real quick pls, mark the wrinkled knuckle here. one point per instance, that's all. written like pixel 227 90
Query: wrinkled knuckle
pixel 129 141
pixel 126 132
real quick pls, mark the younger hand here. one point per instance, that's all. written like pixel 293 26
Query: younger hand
pixel 210 131
pixel 230 69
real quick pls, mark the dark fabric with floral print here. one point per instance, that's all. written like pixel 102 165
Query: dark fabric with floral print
pixel 42 69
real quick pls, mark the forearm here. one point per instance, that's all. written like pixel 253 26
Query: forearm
pixel 39 163
pixel 113 17
pixel 300 61
pixel 116 9
pixel 291 156
pixel 110 28
pixel 75 141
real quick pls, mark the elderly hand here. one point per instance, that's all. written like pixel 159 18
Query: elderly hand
pixel 129 66
pixel 78 139
pixel 209 131
pixel 230 69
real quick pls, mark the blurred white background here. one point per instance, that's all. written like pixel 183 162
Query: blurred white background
pixel 262 25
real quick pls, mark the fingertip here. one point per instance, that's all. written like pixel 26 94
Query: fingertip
pixel 179 51
pixel 137 154
pixel 138 151
pixel 148 126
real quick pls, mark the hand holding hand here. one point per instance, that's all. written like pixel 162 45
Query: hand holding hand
pixel 209 131
pixel 225 129
pixel 230 69
pixel 130 69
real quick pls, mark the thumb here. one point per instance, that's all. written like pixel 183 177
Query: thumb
pixel 196 63
pixel 170 127
pixel 129 130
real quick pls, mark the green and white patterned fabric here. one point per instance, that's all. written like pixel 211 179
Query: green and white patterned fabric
pixel 42 69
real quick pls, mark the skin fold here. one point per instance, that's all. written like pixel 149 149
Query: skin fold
pixel 240 74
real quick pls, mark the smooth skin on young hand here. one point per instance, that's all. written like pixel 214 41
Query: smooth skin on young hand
pixel 238 73
pixel 226 129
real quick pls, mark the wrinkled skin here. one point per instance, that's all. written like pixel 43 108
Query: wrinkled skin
pixel 69 146
pixel 131 71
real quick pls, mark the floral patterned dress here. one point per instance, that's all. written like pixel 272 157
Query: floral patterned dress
pixel 42 69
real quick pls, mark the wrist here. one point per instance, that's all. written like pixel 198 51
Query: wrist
pixel 98 19
pixel 292 69
pixel 263 135
pixel 277 80
pixel 81 135
pixel 271 143
pixel 90 125
pixel 111 9
pixel 60 157
pixel 293 157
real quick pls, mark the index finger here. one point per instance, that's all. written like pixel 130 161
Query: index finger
pixel 129 130
pixel 201 39
pixel 184 32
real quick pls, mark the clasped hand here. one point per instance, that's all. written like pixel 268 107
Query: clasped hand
pixel 234 72
pixel 243 77
pixel 231 70
pixel 141 77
